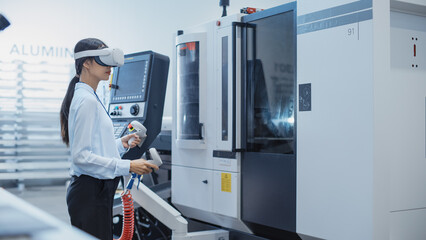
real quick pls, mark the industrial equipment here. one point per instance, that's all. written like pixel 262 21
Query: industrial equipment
pixel 136 105
pixel 333 148
pixel 138 90
pixel 330 149
pixel 234 138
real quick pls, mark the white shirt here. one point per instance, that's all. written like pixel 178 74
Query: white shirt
pixel 94 149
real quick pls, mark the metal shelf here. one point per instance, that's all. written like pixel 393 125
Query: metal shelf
pixel 30 141
pixel 34 166
pixel 35 175
pixel 35 158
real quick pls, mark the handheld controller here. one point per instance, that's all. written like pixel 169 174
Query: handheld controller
pixel 139 129
pixel 156 160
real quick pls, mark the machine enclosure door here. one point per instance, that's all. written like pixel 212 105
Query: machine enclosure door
pixel 268 164
pixel 228 111
pixel 199 181
pixel 191 85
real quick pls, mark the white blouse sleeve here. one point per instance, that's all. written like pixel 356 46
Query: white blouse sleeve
pixel 120 146
pixel 82 154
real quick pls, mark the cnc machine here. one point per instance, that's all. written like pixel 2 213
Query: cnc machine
pixel 337 152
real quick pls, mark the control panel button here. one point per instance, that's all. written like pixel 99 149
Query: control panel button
pixel 126 110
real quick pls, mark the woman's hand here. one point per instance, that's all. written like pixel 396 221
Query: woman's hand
pixel 125 140
pixel 141 166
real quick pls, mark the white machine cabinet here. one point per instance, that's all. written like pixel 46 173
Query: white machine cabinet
pixel 205 170
pixel 361 146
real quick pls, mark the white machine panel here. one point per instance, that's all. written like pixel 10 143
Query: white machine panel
pixel 227 164
pixel 408 43
pixel 192 187
pixel 224 86
pixel 408 225
pixel 225 193
pixel 224 89
pixel 335 139
pixel 408 75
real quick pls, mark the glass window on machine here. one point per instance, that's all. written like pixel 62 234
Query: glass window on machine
pixel 188 94
pixel 271 85
pixel 225 88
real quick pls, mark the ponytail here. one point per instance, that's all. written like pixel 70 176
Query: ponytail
pixel 82 45
pixel 65 110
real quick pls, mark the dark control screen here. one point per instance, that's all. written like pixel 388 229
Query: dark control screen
pixel 131 80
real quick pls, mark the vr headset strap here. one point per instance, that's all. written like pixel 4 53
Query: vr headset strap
pixel 91 53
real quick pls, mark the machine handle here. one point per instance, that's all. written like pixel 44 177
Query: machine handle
pixel 200 131
pixel 234 82
pixel 241 148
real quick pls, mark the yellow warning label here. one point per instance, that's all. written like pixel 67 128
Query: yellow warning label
pixel 226 182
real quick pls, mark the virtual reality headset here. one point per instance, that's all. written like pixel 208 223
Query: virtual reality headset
pixel 109 57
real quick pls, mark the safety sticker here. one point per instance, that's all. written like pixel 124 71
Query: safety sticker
pixel 226 182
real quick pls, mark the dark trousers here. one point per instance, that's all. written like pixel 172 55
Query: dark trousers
pixel 90 201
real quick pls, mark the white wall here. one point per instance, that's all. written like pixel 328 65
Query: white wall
pixel 132 25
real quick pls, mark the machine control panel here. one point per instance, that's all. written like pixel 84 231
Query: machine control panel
pixel 127 110
pixel 138 90
pixel 119 128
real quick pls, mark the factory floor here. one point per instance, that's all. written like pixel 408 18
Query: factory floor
pixel 50 199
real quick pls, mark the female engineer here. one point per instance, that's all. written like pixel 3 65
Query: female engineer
pixel 88 130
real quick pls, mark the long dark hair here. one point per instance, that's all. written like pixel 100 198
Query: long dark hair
pixel 82 45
